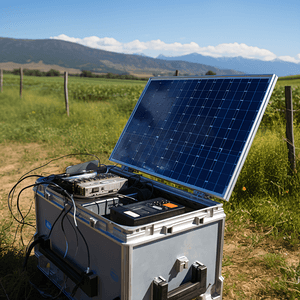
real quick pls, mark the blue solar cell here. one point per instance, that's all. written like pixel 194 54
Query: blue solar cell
pixel 194 131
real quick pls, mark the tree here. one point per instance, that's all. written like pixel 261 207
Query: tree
pixel 16 71
pixel 210 73
pixel 53 72
pixel 86 73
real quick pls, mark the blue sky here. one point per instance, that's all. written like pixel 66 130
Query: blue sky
pixel 263 29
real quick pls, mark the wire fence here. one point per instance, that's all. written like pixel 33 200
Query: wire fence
pixel 285 101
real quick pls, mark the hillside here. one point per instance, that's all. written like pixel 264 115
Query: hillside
pixel 245 65
pixel 74 56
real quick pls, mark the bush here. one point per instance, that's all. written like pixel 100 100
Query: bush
pixel 53 72
pixel 86 74
pixel 16 71
pixel 210 73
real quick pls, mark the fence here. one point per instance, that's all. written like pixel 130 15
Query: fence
pixel 288 112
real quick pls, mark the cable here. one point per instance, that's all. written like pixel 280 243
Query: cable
pixel 34 185
pixel 63 230
pixel 88 251
pixel 11 193
pixel 62 211
pixel 74 213
pixel 18 204
pixel 21 219
pixel 46 295
pixel 39 240
pixel 75 231
pixel 58 158
pixel 75 222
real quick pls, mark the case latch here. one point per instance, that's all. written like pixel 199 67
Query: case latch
pixel 182 263
pixel 127 169
pixel 201 195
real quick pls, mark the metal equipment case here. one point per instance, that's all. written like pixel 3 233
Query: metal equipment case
pixel 194 132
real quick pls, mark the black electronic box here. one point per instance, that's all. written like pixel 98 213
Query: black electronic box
pixel 145 212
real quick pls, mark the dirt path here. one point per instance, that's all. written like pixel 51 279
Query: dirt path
pixel 253 262
pixel 16 160
pixel 248 249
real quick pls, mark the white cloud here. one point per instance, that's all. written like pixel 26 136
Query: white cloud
pixel 156 47
pixel 290 58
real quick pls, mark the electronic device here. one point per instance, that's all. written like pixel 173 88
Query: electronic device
pixel 92 185
pixel 145 212
pixel 101 206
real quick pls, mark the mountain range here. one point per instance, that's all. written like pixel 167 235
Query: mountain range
pixel 244 65
pixel 62 55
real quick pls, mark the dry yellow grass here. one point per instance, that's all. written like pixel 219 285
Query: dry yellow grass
pixel 9 66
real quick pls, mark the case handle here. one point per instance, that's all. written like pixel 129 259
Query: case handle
pixel 88 282
pixel 186 291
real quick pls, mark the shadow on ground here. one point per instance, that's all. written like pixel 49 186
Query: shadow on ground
pixel 17 283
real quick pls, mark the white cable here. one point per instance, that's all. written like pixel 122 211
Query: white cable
pixel 74 215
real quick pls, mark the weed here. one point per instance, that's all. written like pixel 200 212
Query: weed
pixel 287 283
pixel 227 261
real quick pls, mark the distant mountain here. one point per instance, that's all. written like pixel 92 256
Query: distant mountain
pixel 249 66
pixel 71 55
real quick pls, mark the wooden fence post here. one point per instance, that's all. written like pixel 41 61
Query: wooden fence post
pixel 289 127
pixel 1 80
pixel 176 73
pixel 21 81
pixel 66 92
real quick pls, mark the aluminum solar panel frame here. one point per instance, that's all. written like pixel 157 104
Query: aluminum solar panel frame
pixel 195 131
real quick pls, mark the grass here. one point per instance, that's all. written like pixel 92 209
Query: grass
pixel 287 281
pixel 14 80
pixel 289 80
pixel 15 282
pixel 266 189
pixel 267 193
pixel 92 127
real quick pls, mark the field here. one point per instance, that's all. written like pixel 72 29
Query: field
pixel 261 253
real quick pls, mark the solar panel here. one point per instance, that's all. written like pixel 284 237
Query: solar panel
pixel 195 132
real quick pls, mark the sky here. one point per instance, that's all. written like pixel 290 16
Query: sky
pixel 260 29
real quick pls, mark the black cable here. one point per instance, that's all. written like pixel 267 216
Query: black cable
pixel 106 208
pixel 86 244
pixel 63 211
pixel 22 226
pixel 46 295
pixel 18 204
pixel 63 229
pixel 32 245
pixel 72 154
pixel 34 185
pixel 76 287
pixel 87 250
pixel 104 166
pixel 74 232
pixel 10 208
pixel 60 214
pixel 10 194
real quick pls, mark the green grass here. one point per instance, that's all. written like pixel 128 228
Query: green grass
pixel 84 89
pixel 266 193
pixel 286 284
pixel 266 189
pixel 93 127
pixel 289 80
pixel 33 80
